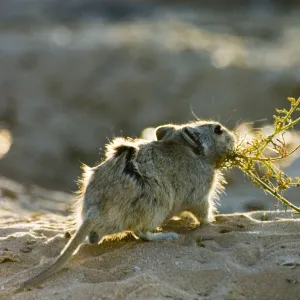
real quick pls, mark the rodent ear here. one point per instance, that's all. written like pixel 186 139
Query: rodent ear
pixel 162 131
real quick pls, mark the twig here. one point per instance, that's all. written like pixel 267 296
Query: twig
pixel 249 156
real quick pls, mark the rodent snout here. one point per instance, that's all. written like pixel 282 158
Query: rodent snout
pixel 231 142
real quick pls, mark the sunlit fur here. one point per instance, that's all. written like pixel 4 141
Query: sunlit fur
pixel 82 183
pixel 141 184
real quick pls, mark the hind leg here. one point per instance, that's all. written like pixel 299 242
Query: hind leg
pixel 156 236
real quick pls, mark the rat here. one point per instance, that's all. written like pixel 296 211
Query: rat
pixel 140 184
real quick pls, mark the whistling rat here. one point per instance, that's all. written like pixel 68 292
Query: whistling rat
pixel 142 183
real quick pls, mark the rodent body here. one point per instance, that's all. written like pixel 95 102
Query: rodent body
pixel 142 183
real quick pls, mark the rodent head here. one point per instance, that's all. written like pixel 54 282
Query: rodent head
pixel 207 138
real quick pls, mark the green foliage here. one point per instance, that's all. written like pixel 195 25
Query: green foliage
pixel 249 156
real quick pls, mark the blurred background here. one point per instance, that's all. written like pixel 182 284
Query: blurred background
pixel 75 74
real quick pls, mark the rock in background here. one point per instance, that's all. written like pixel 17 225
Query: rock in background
pixel 73 75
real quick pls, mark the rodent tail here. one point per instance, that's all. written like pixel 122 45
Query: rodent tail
pixel 66 253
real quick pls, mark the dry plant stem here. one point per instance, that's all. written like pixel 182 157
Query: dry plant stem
pixel 248 157
pixel 269 159
pixel 270 137
pixel 291 124
pixel 270 190
pixel 281 129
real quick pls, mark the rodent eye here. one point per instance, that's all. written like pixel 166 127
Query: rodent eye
pixel 218 130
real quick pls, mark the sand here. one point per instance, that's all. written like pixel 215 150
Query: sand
pixel 242 256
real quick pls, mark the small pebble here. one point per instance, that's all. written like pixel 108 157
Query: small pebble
pixel 136 269
pixel 67 235
pixel 291 281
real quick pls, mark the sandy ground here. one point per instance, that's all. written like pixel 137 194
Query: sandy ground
pixel 243 256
